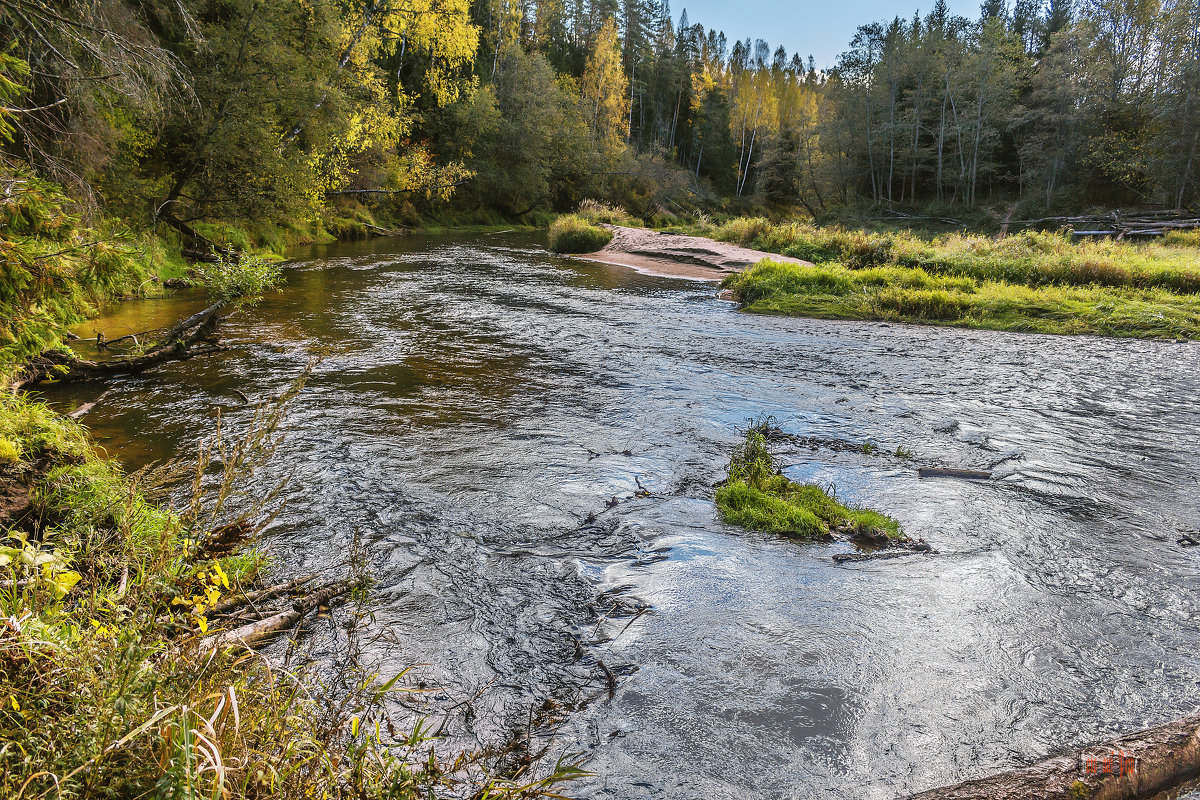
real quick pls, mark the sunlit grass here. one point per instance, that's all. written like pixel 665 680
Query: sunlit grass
pixel 915 295
pixel 757 495
pixel 572 233
pixel 1032 281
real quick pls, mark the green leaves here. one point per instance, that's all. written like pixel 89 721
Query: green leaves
pixel 44 567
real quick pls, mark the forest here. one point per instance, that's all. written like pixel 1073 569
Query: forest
pixel 326 114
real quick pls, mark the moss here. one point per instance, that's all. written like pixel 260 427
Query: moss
pixel 1079 791
pixel 758 496
pixel 574 234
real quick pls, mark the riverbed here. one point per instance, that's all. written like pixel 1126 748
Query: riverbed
pixel 481 402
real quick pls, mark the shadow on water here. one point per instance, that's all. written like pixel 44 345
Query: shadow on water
pixel 480 398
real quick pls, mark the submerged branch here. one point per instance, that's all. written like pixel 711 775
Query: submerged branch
pixel 177 344
pixel 261 631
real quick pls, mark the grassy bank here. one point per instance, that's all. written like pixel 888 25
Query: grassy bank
pixel 1041 282
pixel 831 291
pixel 758 496
pixel 107 688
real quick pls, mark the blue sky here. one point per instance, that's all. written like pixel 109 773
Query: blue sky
pixel 822 28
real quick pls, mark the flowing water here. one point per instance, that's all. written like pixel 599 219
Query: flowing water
pixel 480 398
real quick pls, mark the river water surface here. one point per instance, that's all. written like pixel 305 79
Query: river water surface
pixel 480 398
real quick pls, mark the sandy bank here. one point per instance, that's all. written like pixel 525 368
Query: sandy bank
pixel 673 255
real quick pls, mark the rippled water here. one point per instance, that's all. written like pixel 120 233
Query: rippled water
pixel 480 398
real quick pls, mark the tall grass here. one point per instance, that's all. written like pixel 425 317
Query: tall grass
pixel 572 233
pixel 1029 258
pixel 1031 281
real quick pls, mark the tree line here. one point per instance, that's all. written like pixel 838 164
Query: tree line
pixel 231 109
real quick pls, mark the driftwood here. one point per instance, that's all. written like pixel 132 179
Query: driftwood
pixel 947 472
pixel 258 633
pixel 376 230
pixel 1139 765
pixel 1119 224
pixel 246 598
pixel 177 344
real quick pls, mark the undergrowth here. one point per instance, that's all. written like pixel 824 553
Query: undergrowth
pixel 757 495
pixel 54 270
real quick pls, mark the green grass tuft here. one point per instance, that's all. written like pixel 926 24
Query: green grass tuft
pixel 572 233
pixel 758 496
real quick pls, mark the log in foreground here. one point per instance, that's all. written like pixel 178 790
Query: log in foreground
pixel 1135 766
pixel 258 633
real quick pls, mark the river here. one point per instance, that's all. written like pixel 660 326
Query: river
pixel 479 398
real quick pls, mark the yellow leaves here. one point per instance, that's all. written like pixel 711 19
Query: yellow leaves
pixel 12 699
pixel 46 566
pixel 202 623
pixel 603 88
pixel 62 582
pixel 418 172
pixel 220 573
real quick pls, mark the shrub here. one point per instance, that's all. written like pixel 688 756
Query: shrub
pixel 573 234
pixel 243 278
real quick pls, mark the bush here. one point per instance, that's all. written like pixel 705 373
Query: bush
pixel 243 278
pixel 573 234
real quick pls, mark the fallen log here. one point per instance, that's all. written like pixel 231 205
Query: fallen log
pixel 948 472
pixel 176 345
pixel 1139 765
pixel 258 633
pixel 200 255
pixel 259 595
